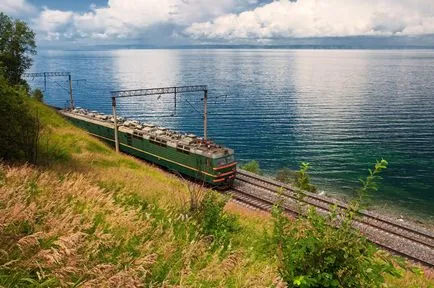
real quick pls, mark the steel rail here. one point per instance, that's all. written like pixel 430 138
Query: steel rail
pixel 429 236
pixel 265 205
pixel 367 222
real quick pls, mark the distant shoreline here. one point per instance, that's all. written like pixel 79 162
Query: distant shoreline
pixel 417 42
pixel 235 47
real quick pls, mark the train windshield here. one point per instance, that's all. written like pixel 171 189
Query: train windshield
pixel 230 159
pixel 225 160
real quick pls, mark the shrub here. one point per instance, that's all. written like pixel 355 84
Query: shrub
pixel 252 166
pixel 214 221
pixel 317 251
pixel 37 95
pixel 19 126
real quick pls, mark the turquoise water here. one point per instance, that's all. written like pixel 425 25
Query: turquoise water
pixel 339 110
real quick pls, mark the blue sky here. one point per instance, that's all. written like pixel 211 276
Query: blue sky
pixel 68 5
pixel 60 23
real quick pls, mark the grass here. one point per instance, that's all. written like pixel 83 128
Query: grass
pixel 86 216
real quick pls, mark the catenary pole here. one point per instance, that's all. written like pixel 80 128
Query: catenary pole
pixel 71 100
pixel 205 114
pixel 45 82
pixel 115 121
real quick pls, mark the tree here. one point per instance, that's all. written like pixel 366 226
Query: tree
pixel 17 45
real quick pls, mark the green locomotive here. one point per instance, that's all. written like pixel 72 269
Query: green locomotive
pixel 185 154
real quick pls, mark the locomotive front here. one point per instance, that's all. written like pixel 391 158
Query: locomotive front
pixel 224 169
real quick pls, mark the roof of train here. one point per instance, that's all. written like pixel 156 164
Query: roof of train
pixel 186 142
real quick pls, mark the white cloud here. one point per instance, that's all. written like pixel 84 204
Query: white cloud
pixel 318 18
pixel 183 20
pixel 53 20
pixel 16 7
pixel 129 19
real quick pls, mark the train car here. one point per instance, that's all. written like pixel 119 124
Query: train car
pixel 186 154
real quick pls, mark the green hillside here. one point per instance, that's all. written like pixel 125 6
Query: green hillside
pixel 85 216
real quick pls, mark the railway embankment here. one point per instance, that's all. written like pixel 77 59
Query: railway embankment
pixel 84 215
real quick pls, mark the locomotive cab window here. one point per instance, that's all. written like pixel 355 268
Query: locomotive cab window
pixel 224 160
pixel 220 162
pixel 230 159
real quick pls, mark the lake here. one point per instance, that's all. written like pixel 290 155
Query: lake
pixel 339 110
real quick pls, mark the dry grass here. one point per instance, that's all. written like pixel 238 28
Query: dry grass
pixel 72 230
pixel 413 280
pixel 88 217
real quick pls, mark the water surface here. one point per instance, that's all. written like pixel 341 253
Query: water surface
pixel 339 110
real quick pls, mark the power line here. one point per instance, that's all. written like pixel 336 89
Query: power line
pixel 157 91
pixel 54 74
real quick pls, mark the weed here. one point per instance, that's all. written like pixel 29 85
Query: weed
pixel 370 184
pixel 302 179
pixel 196 195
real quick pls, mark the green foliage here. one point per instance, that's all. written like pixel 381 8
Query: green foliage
pixel 302 179
pixel 317 251
pixel 17 45
pixel 286 175
pixel 369 185
pixel 214 221
pixel 37 95
pixel 252 166
pixel 19 125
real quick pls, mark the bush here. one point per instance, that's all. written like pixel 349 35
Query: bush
pixel 37 95
pixel 252 166
pixel 19 126
pixel 214 221
pixel 316 251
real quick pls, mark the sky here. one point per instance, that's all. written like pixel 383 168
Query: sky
pixel 80 23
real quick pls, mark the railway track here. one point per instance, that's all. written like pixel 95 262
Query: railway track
pixel 399 238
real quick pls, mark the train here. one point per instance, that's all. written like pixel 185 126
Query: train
pixel 187 154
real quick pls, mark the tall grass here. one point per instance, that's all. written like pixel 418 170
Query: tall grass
pixel 70 231
pixel 92 218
